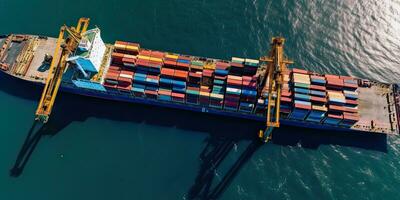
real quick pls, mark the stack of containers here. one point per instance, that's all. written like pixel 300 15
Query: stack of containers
pixel 125 81
pixel 138 86
pixel 302 99
pixel 166 84
pixel 196 66
pixel 249 93
pixel 236 66
pixel 219 84
pixel 350 115
pixel 204 95
pixel 233 92
pixel 207 77
pixel 179 85
pixel 170 60
pixel 336 100
pixel 286 95
pixel 111 78
pixel 317 92
pixel 127 47
pixel 250 67
pixel 149 62
pixel 183 63
pixel 192 95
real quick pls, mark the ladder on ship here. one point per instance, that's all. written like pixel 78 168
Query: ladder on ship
pixel 276 66
pixel 64 48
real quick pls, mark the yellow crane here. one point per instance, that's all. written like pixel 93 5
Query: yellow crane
pixel 276 65
pixel 64 48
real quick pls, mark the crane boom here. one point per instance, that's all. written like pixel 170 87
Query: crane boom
pixel 58 66
pixel 276 63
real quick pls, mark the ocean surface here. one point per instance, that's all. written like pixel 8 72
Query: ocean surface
pixel 95 149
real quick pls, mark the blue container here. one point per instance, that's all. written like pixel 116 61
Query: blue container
pixel 165 81
pixel 318 81
pixel 318 93
pixel 218 82
pixel 249 93
pixel 183 61
pixel 302 97
pixel 301 90
pixel 164 98
pixel 179 89
pixel 152 88
pixel 221 72
pixel 136 85
pixel 178 83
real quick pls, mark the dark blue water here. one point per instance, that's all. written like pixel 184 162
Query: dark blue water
pixel 94 149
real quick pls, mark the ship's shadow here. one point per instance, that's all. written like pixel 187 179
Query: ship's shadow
pixel 223 132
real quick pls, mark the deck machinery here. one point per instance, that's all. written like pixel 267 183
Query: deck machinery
pixel 58 65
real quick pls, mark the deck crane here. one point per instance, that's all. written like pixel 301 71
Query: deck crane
pixel 276 66
pixel 64 48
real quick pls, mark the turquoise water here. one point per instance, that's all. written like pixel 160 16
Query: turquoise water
pixel 94 149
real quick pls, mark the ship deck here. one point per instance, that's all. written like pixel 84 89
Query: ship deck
pixel 377 109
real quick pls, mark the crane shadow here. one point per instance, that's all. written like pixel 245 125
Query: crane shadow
pixel 205 185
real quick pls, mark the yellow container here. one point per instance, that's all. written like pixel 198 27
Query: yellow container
pixel 120 46
pixel 156 59
pixel 173 56
pixel 320 108
pixel 132 48
pixel 143 57
pixel 209 66
pixel 204 94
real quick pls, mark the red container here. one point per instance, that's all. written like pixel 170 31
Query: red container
pixel 184 66
pixel 286 93
pixel 330 76
pixel 334 116
pixel 157 54
pixel 351 117
pixel 114 68
pixel 336 108
pixel 117 57
pixel 167 72
pixel 318 87
pixel 234 82
pixel 108 85
pixel 300 71
pixel 121 42
pixel 352 102
pixel 286 100
pixel 208 73
pixel 151 94
pixel 179 74
pixel 144 52
pixel 350 85
pixel 351 110
pixel 221 65
pixel 181 57
pixel 318 99
pixel 220 77
pixel 124 87
pixel 193 88
pixel 163 92
pixel 302 106
pixel 237 65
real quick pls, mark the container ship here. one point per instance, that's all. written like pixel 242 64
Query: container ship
pixel 239 87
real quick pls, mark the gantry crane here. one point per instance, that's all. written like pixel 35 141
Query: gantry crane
pixel 276 65
pixel 64 48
